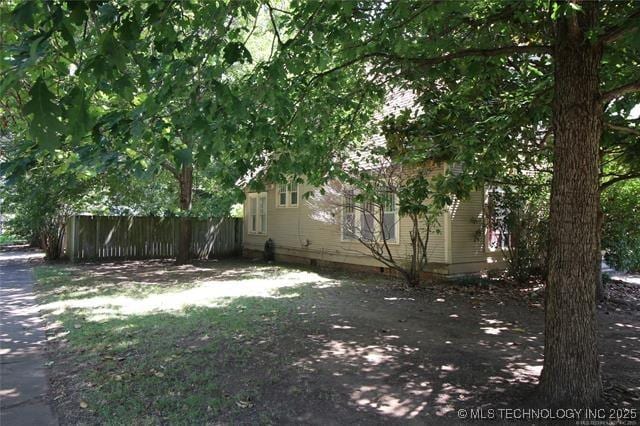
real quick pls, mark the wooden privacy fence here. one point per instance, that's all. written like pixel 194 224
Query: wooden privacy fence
pixel 126 237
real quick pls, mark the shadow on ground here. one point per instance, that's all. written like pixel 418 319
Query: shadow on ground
pixel 240 342
pixel 23 376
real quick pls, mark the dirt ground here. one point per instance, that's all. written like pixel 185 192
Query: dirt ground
pixel 359 349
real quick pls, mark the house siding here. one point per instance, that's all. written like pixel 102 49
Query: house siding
pixel 468 243
pixel 291 229
pixel 456 245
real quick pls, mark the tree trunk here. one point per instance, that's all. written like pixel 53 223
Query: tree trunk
pixel 184 240
pixel 571 372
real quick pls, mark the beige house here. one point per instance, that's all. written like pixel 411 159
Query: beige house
pixel 305 230
pixel 311 230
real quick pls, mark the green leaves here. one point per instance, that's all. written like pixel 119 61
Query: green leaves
pixel 78 12
pixel 23 13
pixel 107 13
pixel 45 125
pixel 113 52
pixel 183 157
pixel 621 232
pixel 80 121
pixel 236 52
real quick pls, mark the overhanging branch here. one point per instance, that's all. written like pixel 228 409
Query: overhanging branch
pixel 618 178
pixel 620 91
pixel 170 168
pixel 484 53
pixel 436 60
pixel 624 129
pixel 616 32
pixel 274 25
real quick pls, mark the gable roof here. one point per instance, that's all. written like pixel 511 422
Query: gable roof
pixel 364 154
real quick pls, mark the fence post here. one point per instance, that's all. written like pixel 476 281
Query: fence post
pixel 238 234
pixel 98 239
pixel 71 238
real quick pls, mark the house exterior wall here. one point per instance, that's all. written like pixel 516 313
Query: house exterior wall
pixel 469 251
pixel 300 232
pixel 303 234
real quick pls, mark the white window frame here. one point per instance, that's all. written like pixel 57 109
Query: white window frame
pixel 287 189
pixel 260 224
pixel 396 221
pixel 358 212
pixel 343 215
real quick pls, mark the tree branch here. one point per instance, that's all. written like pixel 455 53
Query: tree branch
pixel 169 167
pixel 617 179
pixel 623 129
pixel 616 32
pixel 273 24
pixel 486 53
pixel 436 60
pixel 286 12
pixel 620 91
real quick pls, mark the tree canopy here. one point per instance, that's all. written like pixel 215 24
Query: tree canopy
pixel 503 89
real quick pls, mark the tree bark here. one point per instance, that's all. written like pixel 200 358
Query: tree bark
pixel 571 371
pixel 184 239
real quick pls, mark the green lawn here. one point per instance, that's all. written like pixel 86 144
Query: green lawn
pixel 151 343
pixel 10 239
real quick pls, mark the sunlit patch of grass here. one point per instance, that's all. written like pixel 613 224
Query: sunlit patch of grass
pixel 155 351
pixel 120 302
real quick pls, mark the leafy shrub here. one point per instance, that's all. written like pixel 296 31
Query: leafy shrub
pixel 521 215
pixel 621 226
pixel 9 239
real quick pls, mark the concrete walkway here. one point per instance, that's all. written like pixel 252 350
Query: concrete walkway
pixel 23 377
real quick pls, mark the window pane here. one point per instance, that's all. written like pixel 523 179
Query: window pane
pixel 348 226
pixel 368 222
pixel 262 208
pixel 348 217
pixel 389 202
pixel 253 214
pixel 294 196
pixel 497 221
pixel 282 194
pixel 389 225
pixel 349 202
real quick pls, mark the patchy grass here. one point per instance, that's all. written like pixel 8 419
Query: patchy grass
pixel 239 343
pixel 8 239
pixel 150 344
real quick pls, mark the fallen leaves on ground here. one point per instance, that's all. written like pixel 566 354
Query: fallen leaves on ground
pixel 622 295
